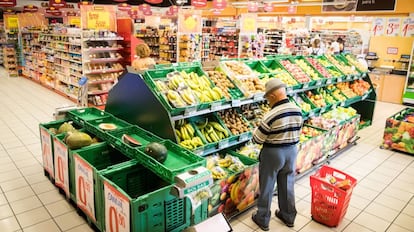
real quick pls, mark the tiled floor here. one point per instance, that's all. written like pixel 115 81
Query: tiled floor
pixel 382 200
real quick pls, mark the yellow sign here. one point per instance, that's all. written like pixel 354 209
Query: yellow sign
pixel 74 20
pixel 248 23
pixel 98 20
pixel 12 22
pixel 189 21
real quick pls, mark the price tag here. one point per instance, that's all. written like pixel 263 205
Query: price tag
pixel 235 103
pixel 223 144
pixel 311 113
pixel 85 194
pixel 61 166
pixel 342 104
pixel 323 109
pixel 349 77
pixel 46 142
pixel 258 96
pixel 199 151
pixel 215 106
pixel 117 210
pixel 244 137
pixel 289 91
pixel 329 81
pixel 318 82
pixel 306 85
pixel 189 111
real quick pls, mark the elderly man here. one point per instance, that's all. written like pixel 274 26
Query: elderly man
pixel 279 133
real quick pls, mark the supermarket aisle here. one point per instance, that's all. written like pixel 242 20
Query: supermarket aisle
pixel 382 200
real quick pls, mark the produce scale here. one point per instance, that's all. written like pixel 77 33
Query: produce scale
pixel 173 146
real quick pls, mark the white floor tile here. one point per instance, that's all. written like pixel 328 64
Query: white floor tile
pixel 390 202
pixel 5 211
pixel 69 220
pixel 405 221
pixel 18 194
pixel 409 210
pixel 353 227
pixel 83 228
pixel 25 204
pixel 396 228
pixel 382 211
pixel 58 208
pixel 48 225
pixel 33 217
pixel 13 184
pixel 9 224
pixel 50 197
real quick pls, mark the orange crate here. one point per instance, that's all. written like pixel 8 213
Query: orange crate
pixel 329 202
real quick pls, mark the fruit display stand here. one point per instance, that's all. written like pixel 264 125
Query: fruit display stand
pixel 399 131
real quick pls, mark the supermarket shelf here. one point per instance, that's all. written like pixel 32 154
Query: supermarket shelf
pixel 103 60
pixel 65 66
pixel 98 92
pixel 68 59
pixel 100 82
pixel 104 39
pixel 103 49
pixel 103 71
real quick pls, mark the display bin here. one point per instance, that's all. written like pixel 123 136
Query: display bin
pixel 310 151
pixel 237 137
pixel 178 160
pixel 46 142
pixel 63 162
pixel 135 199
pixel 329 72
pixel 88 164
pixel 350 63
pixel 237 191
pixel 398 132
pixel 320 78
pixel 94 126
pixel 80 116
pixel 257 66
pixel 321 109
pixel 329 202
pixel 298 99
pixel 349 72
pixel 144 137
pixel 305 85
pixel 331 68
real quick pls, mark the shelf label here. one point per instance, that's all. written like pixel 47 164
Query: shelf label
pixel 289 91
pixel 223 144
pixel 305 85
pixel 85 193
pixel 311 113
pixel 318 82
pixel 342 104
pixel 117 216
pixel 244 137
pixel 323 109
pixel 199 151
pixel 215 106
pixel 61 166
pixel 190 110
pixel 236 103
pixel 348 77
pixel 329 81
pixel 74 20
pixel 258 96
pixel 46 142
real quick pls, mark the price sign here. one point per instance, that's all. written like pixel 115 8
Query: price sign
pixel 215 106
pixel 98 20
pixel 289 91
pixel 393 26
pixel 329 81
pixel 116 210
pixel 46 142
pixel 84 187
pixel 189 21
pixel 407 27
pixel 98 17
pixel 223 144
pixel 248 23
pixel 235 103
pixel 74 20
pixel 244 137
pixel 378 27
pixel 318 82
pixel 189 111
pixel 306 85
pixel 311 113
pixel 12 21
pixel 61 166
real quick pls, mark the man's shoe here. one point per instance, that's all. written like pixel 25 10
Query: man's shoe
pixel 265 228
pixel 288 224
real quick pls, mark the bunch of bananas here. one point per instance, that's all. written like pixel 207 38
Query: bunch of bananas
pixel 202 87
pixel 212 131
pixel 231 163
pixel 218 173
pixel 186 135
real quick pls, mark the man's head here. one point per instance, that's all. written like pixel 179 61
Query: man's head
pixel 275 90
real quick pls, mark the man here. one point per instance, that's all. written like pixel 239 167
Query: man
pixel 279 133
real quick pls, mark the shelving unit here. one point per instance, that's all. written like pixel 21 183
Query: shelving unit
pixel 101 63
pixel 10 60
pixel 224 44
pixel 408 96
pixel 274 40
pixel 151 36
pixel 168 46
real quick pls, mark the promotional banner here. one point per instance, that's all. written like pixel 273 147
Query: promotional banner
pixel 189 21
pixel 378 27
pixel 61 166
pixel 53 11
pixel 375 5
pixel 407 27
pixel 85 197
pixel 154 1
pixel 339 5
pixel 57 3
pixel 117 213
pixel 393 27
pixel 7 3
pixel 268 7
pixel 47 157
pixel 248 23
pixel 98 17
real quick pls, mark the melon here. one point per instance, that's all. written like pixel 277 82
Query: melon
pixel 157 151
pixel 77 139
pixel 65 127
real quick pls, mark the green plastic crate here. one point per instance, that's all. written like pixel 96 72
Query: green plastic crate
pixel 87 164
pixel 93 125
pixel 143 136
pixel 235 92
pixel 80 116
pixel 136 193
pixel 320 80
pixel 257 66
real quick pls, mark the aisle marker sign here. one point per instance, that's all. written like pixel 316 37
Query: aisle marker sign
pixel 378 26
pixel 117 217
pixel 407 27
pixel 393 26
pixel 46 142
pixel 61 166
pixel 85 198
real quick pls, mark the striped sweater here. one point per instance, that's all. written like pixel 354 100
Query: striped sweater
pixel 281 126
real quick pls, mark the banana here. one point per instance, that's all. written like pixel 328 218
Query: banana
pixel 203 125
pixel 187 98
pixel 190 129
pixel 178 133
pixel 172 95
pixel 161 85
pixel 184 133
pixel 218 127
pixel 214 136
pixel 218 91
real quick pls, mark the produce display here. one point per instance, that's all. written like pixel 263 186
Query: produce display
pixel 255 112
pixel 157 151
pixel 211 130
pixel 234 121
pixel 346 89
pixel 336 93
pixel 321 69
pixel 308 132
pixel 310 148
pixel 295 71
pixel 329 99
pixel 346 69
pixel 316 98
pixel 399 131
pixel 74 138
pixel 250 85
pixel 186 135
pixel 250 150
pixel 286 78
pixel 360 87
pixel 237 69
pixel 221 165
pixel 352 60
pixel 221 81
pixel 307 69
pixel 304 106
pixel 186 89
pixel 332 118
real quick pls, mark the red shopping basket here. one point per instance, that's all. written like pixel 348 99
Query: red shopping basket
pixel 329 202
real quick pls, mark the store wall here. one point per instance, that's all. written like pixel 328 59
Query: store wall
pixel 380 45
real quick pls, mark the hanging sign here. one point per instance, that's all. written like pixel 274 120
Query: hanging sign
pixel 98 17
pixel 219 4
pixel 8 12
pixel 7 3
pixel 154 1
pixel 53 11
pixel 248 23
pixel 147 12
pixel 173 9
pixel 30 9
pixel 169 12
pixel 117 216
pixel 74 20
pixel 124 7
pixel 268 7
pixel 144 7
pixel 11 21
pixel 71 13
pixel 85 194
pixel 252 7
pixel 292 9
pixel 84 3
pixel 407 27
pixel 378 26
pixel 189 21
pixel 57 3
pixel 199 3
pixel 393 27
